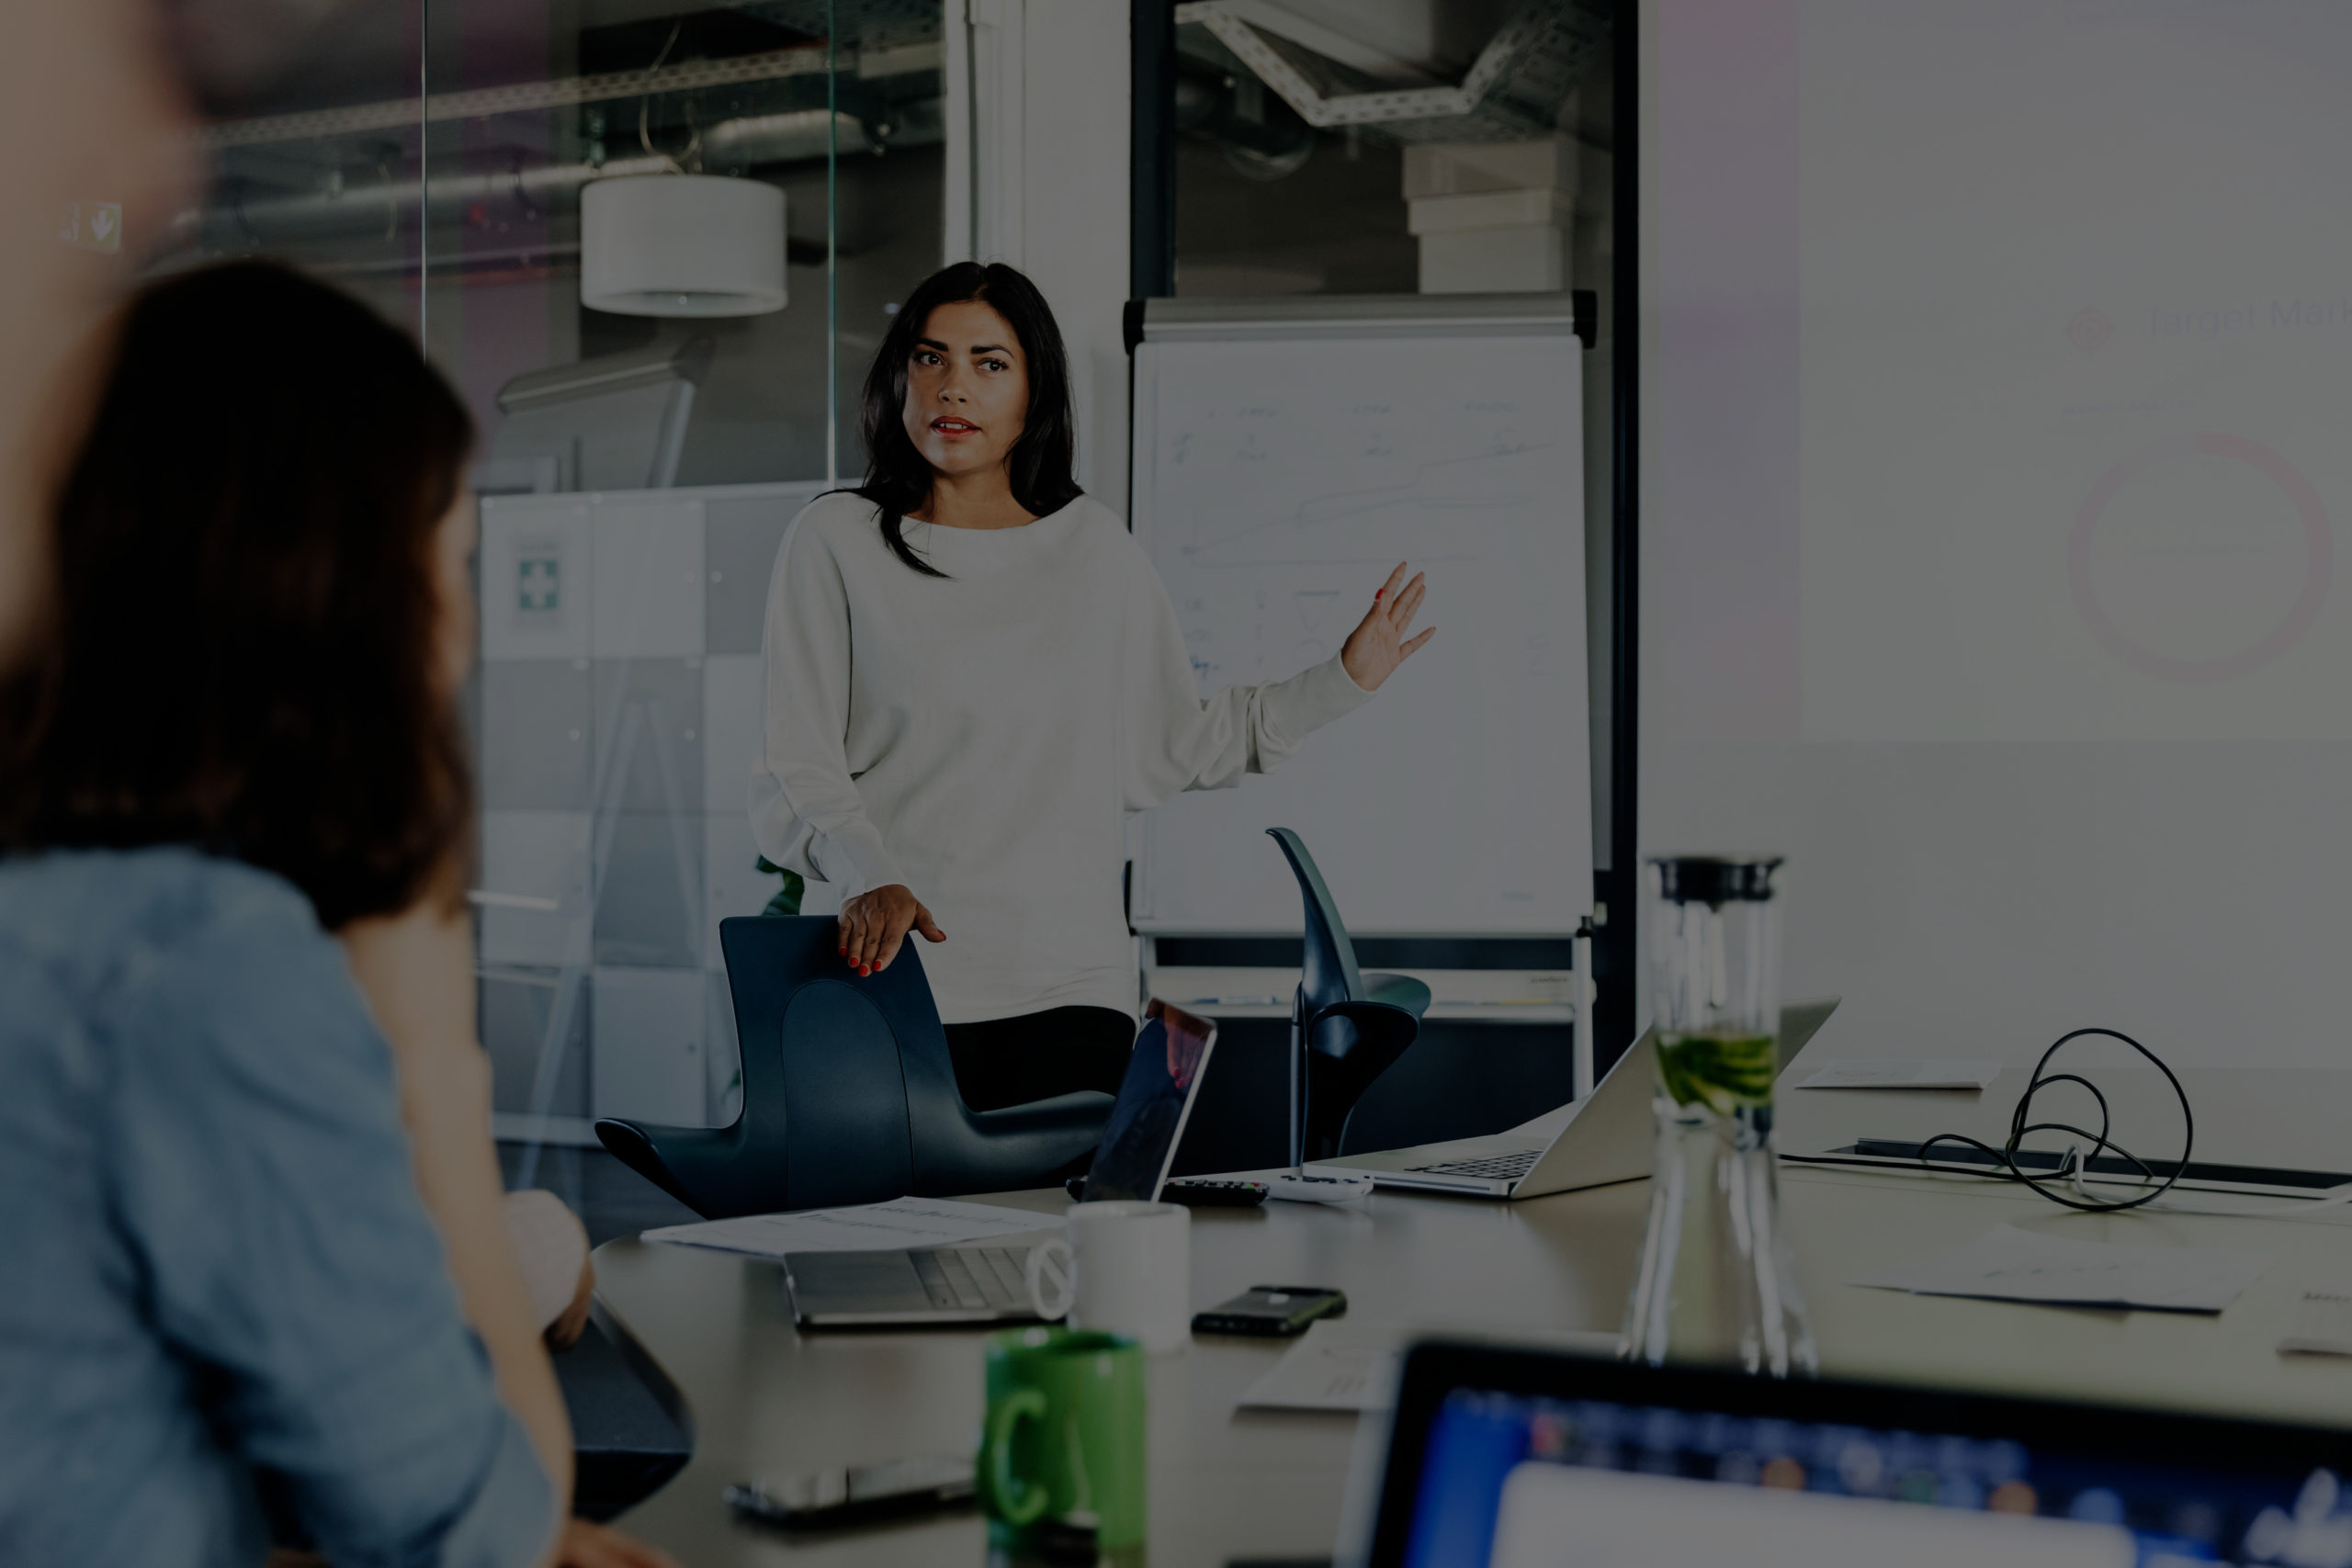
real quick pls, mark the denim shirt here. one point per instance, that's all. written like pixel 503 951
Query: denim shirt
pixel 216 1274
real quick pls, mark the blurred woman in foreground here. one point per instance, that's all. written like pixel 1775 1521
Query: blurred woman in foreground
pixel 245 1165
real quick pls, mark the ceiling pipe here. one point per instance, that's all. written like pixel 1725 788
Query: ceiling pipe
pixel 521 97
pixel 240 218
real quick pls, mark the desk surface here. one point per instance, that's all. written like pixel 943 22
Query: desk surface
pixel 1229 1484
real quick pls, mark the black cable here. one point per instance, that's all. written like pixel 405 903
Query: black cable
pixel 2019 1129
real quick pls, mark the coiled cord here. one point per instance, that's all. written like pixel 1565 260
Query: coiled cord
pixel 2071 1170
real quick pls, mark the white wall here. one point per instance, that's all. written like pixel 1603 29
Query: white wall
pixel 1959 587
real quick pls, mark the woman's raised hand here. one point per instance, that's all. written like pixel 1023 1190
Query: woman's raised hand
pixel 1378 644
pixel 873 924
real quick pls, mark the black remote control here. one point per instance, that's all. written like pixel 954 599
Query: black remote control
pixel 1206 1192
pixel 1194 1192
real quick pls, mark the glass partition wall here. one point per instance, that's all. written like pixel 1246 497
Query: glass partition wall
pixel 654 245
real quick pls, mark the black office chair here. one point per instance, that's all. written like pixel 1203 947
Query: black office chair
pixel 1346 1027
pixel 849 1096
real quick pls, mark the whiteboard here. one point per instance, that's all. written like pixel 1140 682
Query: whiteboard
pixel 1279 477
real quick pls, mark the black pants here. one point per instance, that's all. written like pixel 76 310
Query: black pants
pixel 1011 1061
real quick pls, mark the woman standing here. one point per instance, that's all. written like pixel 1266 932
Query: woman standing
pixel 974 676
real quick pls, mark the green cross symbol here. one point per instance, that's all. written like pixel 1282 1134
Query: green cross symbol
pixel 536 587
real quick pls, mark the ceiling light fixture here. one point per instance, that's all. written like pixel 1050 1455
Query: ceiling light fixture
pixel 681 245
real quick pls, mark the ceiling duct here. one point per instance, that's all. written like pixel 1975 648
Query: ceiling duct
pixel 240 219
pixel 520 98
pixel 1262 138
pixel 1515 88
pixel 868 24
pixel 791 137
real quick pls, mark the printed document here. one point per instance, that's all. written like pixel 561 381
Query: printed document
pixel 2011 1265
pixel 1936 1073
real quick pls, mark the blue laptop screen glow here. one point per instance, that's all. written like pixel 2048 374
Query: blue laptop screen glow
pixel 1511 1480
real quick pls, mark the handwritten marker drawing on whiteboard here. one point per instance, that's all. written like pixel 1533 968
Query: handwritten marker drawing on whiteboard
pixel 1277 483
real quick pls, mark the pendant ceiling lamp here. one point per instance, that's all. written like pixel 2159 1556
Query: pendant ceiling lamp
pixel 681 245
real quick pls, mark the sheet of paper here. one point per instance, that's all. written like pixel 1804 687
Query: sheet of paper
pixel 870 1227
pixel 1942 1072
pixel 1344 1363
pixel 2322 1319
pixel 2012 1265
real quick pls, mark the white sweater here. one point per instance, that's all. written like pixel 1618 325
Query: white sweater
pixel 981 739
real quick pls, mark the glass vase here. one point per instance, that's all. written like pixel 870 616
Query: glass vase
pixel 1716 1283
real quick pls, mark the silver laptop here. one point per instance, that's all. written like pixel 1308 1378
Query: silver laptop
pixel 1604 1137
pixel 986 1284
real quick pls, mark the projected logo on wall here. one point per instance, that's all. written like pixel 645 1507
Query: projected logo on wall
pixel 2189 598
pixel 2089 328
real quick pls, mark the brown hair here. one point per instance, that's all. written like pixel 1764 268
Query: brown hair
pixel 240 651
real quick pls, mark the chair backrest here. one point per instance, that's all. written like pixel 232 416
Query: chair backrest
pixel 1328 972
pixel 1352 1028
pixel 828 1059
pixel 849 1093
pixel 855 1070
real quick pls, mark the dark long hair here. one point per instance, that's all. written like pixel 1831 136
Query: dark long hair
pixel 240 654
pixel 898 480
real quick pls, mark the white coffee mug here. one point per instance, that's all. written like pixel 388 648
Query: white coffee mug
pixel 1125 1268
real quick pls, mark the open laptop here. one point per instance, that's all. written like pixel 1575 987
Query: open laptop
pixel 1503 1459
pixel 985 1284
pixel 1606 1136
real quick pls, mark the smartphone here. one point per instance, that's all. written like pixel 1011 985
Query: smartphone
pixel 1273 1311
pixel 827 1497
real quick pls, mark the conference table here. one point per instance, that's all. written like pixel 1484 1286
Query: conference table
pixel 1232 1486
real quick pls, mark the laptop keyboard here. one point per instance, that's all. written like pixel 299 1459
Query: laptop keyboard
pixel 974 1279
pixel 1499 1168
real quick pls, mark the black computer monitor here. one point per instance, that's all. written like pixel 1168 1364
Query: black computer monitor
pixel 1514 1459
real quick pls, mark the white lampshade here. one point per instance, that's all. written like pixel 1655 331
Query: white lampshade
pixel 681 245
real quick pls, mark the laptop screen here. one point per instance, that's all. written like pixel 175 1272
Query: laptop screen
pixel 1164 1073
pixel 1523 1461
